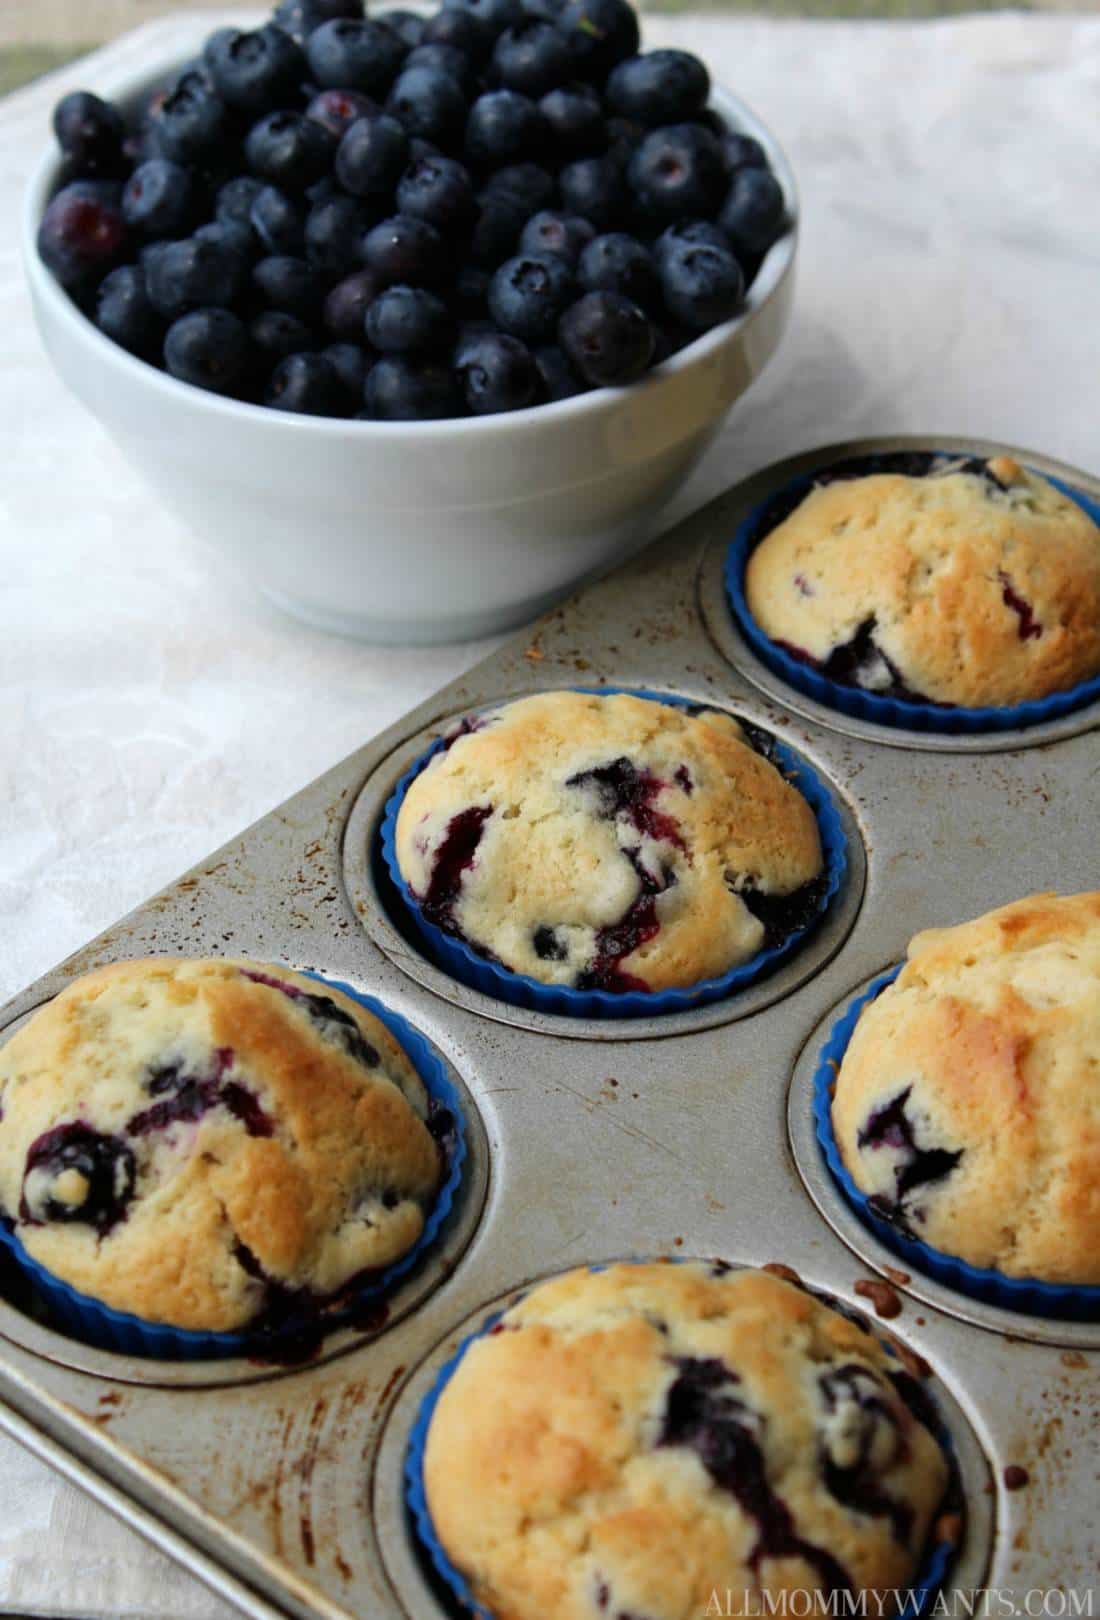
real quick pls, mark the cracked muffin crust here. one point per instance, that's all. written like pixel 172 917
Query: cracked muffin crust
pixel 605 841
pixel 200 1142
pixel 947 581
pixel 624 1443
pixel 967 1105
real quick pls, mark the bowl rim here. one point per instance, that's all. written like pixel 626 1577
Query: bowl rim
pixel 52 299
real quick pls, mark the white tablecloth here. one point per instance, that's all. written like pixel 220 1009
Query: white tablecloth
pixel 152 705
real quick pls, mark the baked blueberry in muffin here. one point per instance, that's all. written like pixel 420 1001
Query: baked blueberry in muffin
pixel 624 1443
pixel 609 842
pixel 932 580
pixel 967 1105
pixel 204 1143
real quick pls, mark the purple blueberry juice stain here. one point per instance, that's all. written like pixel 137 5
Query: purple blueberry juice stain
pixel 621 789
pixel 703 1414
pixel 106 1164
pixel 548 946
pixel 185 1098
pixel 891 1126
pixel 454 855
pixel 856 1484
pixel 683 779
pixel 333 1023
pixel 1029 627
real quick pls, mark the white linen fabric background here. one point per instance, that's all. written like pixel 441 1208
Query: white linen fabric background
pixel 151 704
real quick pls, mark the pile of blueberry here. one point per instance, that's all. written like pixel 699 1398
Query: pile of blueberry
pixel 403 217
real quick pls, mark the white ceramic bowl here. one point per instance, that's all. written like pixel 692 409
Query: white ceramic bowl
pixel 417 531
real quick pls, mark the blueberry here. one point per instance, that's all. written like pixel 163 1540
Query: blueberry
pixel 556 375
pixel 337 110
pixel 562 234
pixel 192 274
pixel 90 132
pixel 594 187
pixel 227 234
pixel 448 60
pixel 621 264
pixel 274 334
pixel 574 116
pixel 334 232
pixel 496 231
pixel 420 148
pixel 496 373
pixel 354 54
pixel 528 294
pixel 702 285
pixel 288 284
pixel 742 151
pixel 124 314
pixel 83 233
pixel 254 72
pixel 463 30
pixel 439 191
pixel 470 292
pixel 289 150
pixel 159 199
pixel 678 172
pixel 545 10
pixel 526 185
pixel 532 57
pixel 102 1167
pixel 408 320
pixel 669 339
pixel 372 156
pixel 600 34
pixel 402 390
pixel 754 212
pixel 407 251
pixel 208 348
pixel 429 104
pixel 407 25
pixel 504 128
pixel 607 338
pixel 308 384
pixel 278 222
pixel 351 364
pixel 692 230
pixel 299 18
pixel 190 124
pixel 662 87
pixel 496 15
pixel 233 203
pixel 346 305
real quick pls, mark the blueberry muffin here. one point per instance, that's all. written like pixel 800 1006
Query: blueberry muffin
pixel 609 842
pixel 967 1106
pixel 627 1442
pixel 946 581
pixel 197 1141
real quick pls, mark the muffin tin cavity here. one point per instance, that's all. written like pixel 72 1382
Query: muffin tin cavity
pixel 1021 1307
pixel 55 1320
pixel 427 1583
pixel 799 936
pixel 891 714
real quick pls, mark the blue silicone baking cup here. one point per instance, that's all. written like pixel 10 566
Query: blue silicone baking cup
pixel 100 1325
pixel 1027 1294
pixel 927 1583
pixel 852 700
pixel 458 959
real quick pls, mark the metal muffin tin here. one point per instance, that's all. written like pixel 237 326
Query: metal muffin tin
pixel 690 1134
